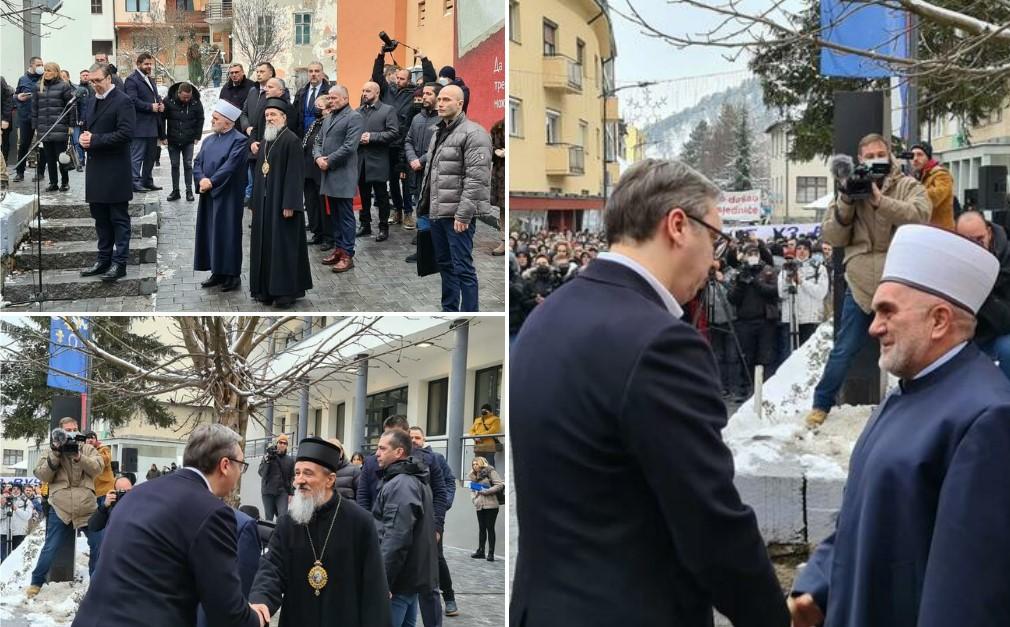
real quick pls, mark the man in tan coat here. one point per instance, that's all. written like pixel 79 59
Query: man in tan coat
pixel 864 228
pixel 71 478
pixel 938 183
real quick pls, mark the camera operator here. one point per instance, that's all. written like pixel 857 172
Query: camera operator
pixel 754 293
pixel 721 330
pixel 16 511
pixel 69 469
pixel 803 284
pixel 938 183
pixel 864 226
pixel 541 279
pixel 103 484
pixel 100 518
pixel 277 469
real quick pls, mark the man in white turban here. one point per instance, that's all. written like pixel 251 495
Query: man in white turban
pixel 921 537
pixel 220 172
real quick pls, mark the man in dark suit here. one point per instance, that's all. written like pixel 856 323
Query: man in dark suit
pixel 624 487
pixel 140 87
pixel 172 546
pixel 379 131
pixel 305 98
pixel 109 124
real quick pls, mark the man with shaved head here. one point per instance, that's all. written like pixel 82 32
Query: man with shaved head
pixel 379 131
pixel 335 155
pixel 455 188
pixel 921 534
pixel 993 332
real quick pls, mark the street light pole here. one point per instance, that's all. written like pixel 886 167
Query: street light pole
pixel 605 95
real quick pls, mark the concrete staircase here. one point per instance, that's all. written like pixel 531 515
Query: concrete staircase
pixel 69 246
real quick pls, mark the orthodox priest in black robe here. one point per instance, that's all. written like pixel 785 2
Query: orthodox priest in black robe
pixel 279 269
pixel 323 566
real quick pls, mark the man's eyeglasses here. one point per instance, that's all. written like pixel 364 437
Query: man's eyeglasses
pixel 720 241
pixel 95 81
pixel 245 465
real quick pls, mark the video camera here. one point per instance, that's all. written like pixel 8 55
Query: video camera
pixel 856 181
pixel 390 44
pixel 271 452
pixel 66 441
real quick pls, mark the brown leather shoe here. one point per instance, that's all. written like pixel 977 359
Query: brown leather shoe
pixel 333 258
pixel 346 263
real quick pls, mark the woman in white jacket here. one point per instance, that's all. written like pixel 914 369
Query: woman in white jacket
pixel 17 512
pixel 807 287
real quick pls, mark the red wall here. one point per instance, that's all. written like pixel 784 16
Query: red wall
pixel 483 70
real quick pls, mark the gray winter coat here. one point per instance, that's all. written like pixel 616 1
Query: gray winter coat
pixel 338 141
pixel 379 122
pixel 457 178
pixel 347 479
pixel 422 129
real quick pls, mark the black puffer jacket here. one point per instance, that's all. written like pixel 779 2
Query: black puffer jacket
pixel 404 521
pixel 49 104
pixel 347 479
pixel 184 121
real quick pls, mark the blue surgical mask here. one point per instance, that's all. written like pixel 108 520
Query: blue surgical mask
pixel 817 258
pixel 40 70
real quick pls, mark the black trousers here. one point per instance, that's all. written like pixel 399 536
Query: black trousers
pixel 365 188
pixel 5 143
pixel 25 135
pixel 52 151
pixel 485 523
pixel 182 153
pixel 728 357
pixel 397 186
pixel 112 223
pixel 444 578
pixel 758 340
pixel 318 221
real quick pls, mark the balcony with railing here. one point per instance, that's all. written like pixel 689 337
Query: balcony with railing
pixel 565 160
pixel 219 10
pixel 562 73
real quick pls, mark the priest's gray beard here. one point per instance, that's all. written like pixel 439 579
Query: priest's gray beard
pixel 270 133
pixel 303 505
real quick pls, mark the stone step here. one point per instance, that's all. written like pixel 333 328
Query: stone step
pixel 70 285
pixel 53 209
pixel 83 229
pixel 81 254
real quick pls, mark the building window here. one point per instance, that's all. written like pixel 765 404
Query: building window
pixel 317 423
pixel 420 12
pixel 583 133
pixel 810 188
pixel 96 7
pixel 135 6
pixel 514 21
pixel 550 38
pixel 101 45
pixel 264 29
pixel 338 429
pixel 487 389
pixel 580 55
pixel 515 117
pixel 380 406
pixel 553 126
pixel 447 6
pixel 303 29
pixel 13 456
pixel 438 406
pixel 184 5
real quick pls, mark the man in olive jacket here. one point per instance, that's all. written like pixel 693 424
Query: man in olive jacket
pixel 71 479
pixel 864 228
pixel 457 184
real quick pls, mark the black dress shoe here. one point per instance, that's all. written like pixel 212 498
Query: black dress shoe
pixel 284 302
pixel 153 188
pixel 140 189
pixel 53 188
pixel 36 178
pixel 175 195
pixel 326 246
pixel 363 230
pixel 18 178
pixel 215 279
pixel 116 272
pixel 189 196
pixel 95 270
pixel 316 240
pixel 65 187
pixel 383 235
pixel 231 284
pixel 411 258
pixel 80 168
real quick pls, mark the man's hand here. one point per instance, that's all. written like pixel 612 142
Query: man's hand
pixel 459 227
pixel 23 96
pixel 248 130
pixel 4 124
pixel 499 152
pixel 85 140
pixel 415 165
pixel 323 163
pixel 262 611
pixel 254 147
pixel 162 142
pixel 875 199
pixel 110 498
pixel 365 138
pixel 205 185
pixel 288 213
pixel 804 611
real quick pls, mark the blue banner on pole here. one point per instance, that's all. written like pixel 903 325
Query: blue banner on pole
pixel 66 361
pixel 862 26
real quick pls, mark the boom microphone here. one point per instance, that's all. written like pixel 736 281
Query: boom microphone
pixel 841 166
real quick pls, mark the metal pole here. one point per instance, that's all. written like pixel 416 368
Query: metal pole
pixel 270 406
pixel 457 394
pixel 787 175
pixel 303 411
pixel 357 439
pixel 912 106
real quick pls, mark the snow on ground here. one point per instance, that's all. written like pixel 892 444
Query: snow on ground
pixel 56 604
pixel 780 436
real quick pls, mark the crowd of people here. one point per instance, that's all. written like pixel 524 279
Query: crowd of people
pixel 295 160
pixel 20 510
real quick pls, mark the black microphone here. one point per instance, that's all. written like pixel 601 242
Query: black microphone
pixel 841 166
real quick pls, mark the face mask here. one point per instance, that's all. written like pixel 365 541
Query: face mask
pixel 817 257
pixel 873 162
pixel 40 70
pixel 443 81
pixel 753 261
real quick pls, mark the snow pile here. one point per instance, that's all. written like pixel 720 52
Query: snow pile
pixel 56 605
pixel 780 437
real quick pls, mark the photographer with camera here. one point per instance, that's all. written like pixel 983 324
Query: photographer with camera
pixel 69 469
pixel 803 284
pixel 871 201
pixel 16 512
pixel 938 183
pixel 540 280
pixel 98 520
pixel 277 470
pixel 754 293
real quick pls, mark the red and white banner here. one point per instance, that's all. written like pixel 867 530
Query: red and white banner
pixel 740 206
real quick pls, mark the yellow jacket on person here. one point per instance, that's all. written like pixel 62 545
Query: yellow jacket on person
pixel 939 186
pixel 105 481
pixel 483 425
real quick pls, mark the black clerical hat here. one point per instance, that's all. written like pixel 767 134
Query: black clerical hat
pixel 319 451
pixel 278 103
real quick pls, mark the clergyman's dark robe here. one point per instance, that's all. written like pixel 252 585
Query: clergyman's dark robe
pixel 279 254
pixel 923 534
pixel 355 595
pixel 222 159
